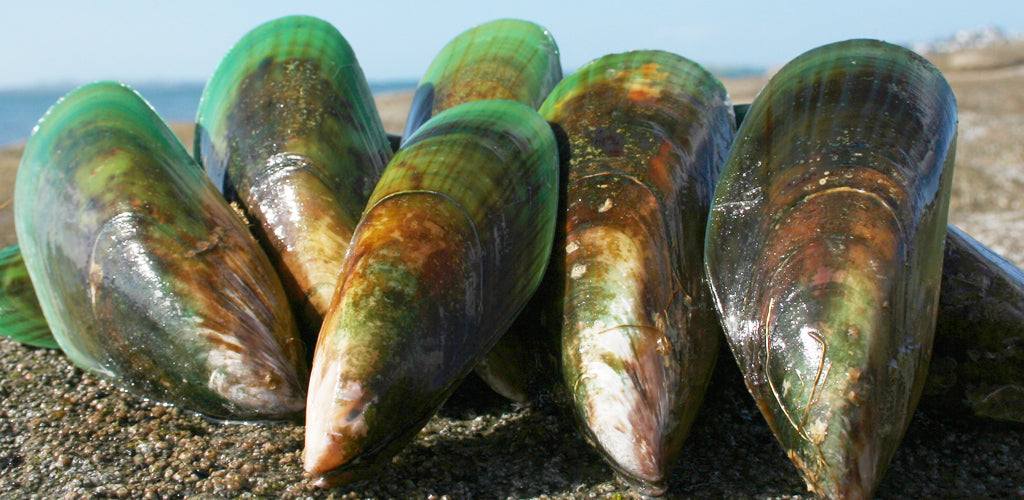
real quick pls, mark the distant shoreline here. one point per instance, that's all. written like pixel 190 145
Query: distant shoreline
pixel 62 88
pixel 174 102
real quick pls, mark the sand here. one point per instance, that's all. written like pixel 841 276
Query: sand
pixel 65 433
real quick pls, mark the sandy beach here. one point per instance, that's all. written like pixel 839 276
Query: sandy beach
pixel 67 434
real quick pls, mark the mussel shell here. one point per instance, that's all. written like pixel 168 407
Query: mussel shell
pixel 504 59
pixel 507 59
pixel 21 317
pixel 455 239
pixel 144 274
pixel 288 129
pixel 648 132
pixel 824 252
pixel 977 364
pixel 978 360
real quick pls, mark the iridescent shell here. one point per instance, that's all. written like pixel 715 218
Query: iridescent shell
pixel 453 243
pixel 824 252
pixel 504 59
pixel 144 274
pixel 647 133
pixel 287 129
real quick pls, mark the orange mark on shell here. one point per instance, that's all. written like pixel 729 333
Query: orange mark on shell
pixel 660 165
pixel 641 94
pixel 639 80
pixel 651 71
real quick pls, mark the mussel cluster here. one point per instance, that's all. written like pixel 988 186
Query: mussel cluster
pixel 588 237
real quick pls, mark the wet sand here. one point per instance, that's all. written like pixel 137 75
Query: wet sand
pixel 65 433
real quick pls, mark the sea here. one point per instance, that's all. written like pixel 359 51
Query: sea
pixel 20 109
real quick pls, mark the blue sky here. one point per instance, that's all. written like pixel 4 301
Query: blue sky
pixel 50 42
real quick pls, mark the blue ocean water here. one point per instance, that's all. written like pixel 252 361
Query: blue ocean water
pixel 21 109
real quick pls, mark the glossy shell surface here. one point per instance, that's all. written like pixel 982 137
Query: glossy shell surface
pixel 824 252
pixel 506 59
pixel 647 132
pixel 144 274
pixel 453 242
pixel 287 129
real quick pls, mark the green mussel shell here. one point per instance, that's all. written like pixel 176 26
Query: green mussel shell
pixel 21 318
pixel 648 132
pixel 144 274
pixel 824 253
pixel 454 241
pixel 977 365
pixel 505 59
pixel 287 129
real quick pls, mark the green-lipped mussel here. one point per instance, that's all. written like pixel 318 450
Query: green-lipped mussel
pixel 975 368
pixel 824 252
pixel 287 129
pixel 453 242
pixel 148 279
pixel 507 59
pixel 647 134
pixel 144 274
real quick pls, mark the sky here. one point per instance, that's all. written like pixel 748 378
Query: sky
pixel 59 42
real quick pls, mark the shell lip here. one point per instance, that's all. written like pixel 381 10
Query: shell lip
pixel 352 474
pixel 648 487
pixel 284 418
pixel 224 414
pixel 649 480
pixel 365 465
